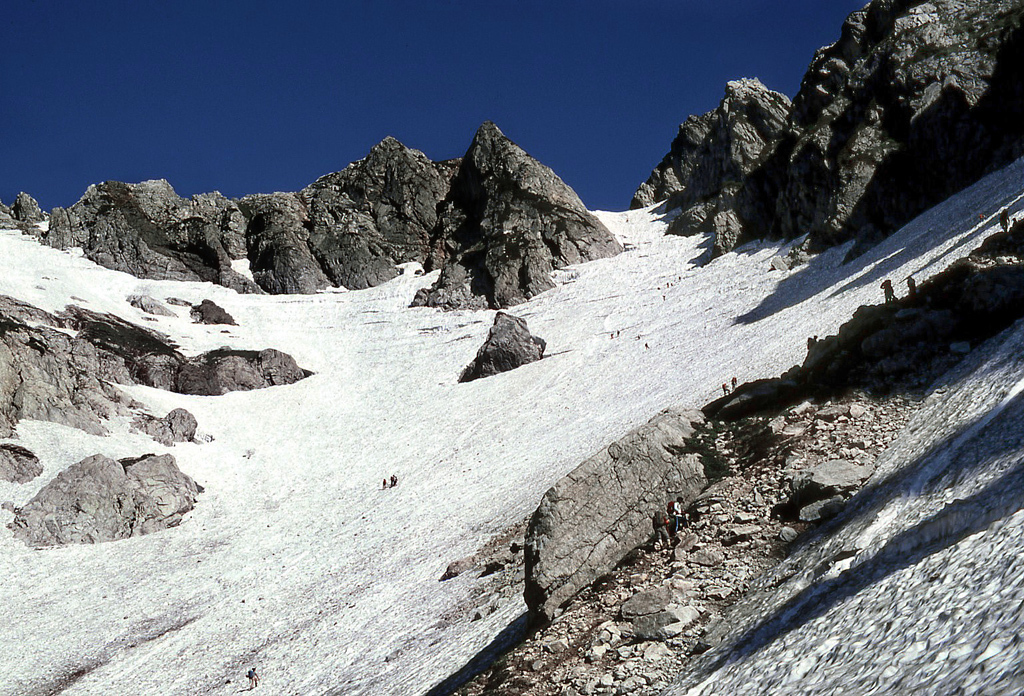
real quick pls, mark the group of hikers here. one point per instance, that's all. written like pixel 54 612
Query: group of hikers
pixel 890 294
pixel 391 482
pixel 667 524
pixel 725 386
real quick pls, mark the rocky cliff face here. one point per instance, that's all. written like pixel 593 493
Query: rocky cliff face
pixel 507 223
pixel 148 230
pixel 712 155
pixel 915 101
pixel 376 213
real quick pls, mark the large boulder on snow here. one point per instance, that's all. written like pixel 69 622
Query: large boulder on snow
pixel 149 231
pixel 588 521
pixel 18 464
pixel 509 344
pixel 101 499
pixel 177 426
pixel 506 224
pixel 149 305
pixel 209 312
pixel 226 370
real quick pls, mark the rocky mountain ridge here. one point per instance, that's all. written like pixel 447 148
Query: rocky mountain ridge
pixel 496 221
pixel 913 102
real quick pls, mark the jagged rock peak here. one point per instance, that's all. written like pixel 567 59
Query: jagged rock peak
pixel 376 213
pixel 506 224
pixel 26 209
pixel 714 149
pixel 913 102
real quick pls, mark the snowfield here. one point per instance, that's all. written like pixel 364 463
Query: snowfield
pixel 296 562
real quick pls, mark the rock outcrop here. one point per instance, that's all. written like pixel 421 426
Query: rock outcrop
pixel 225 370
pixel 26 209
pixel 595 515
pixel 712 154
pixel 18 464
pixel 177 426
pixel 509 345
pixel 147 230
pixel 914 102
pixel 277 239
pixel 376 213
pixel 149 305
pixel 101 499
pixel 905 343
pixel 506 224
pixel 209 312
pixel 47 374
pixel 350 228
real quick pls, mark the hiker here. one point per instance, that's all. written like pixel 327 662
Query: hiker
pixel 725 389
pixel 734 384
pixel 385 484
pixel 811 340
pixel 254 679
pixel 660 524
pixel 1004 220
pixel 675 509
pixel 394 480
pixel 911 289
pixel 886 286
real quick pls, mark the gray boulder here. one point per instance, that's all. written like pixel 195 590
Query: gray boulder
pixel 664 624
pixel 18 464
pixel 509 345
pixel 177 426
pixel 226 370
pixel 821 509
pixel 834 477
pixel 100 499
pixel 26 209
pixel 149 305
pixel 508 222
pixel 588 521
pixel 648 602
pixel 149 231
pixel 209 312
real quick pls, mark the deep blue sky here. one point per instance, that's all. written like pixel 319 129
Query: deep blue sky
pixel 256 96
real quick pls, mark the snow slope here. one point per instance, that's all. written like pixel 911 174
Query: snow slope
pixel 294 560
pixel 918 588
